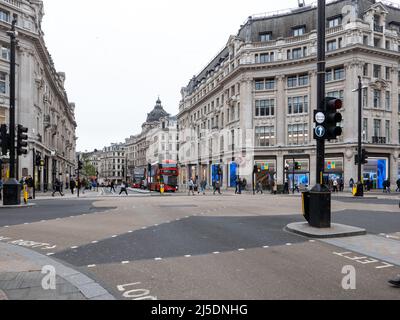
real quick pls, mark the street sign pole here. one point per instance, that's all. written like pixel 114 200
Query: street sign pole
pixel 360 186
pixel 319 198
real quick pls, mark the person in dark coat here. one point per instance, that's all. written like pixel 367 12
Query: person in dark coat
pixel 72 185
pixel 57 188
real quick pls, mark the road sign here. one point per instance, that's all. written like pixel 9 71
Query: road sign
pixel 320 131
pixel 320 117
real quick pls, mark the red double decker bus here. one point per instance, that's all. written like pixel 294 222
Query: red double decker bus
pixel 166 173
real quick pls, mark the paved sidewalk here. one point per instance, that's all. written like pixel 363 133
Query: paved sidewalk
pixel 21 278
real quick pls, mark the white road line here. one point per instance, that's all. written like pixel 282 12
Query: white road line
pixel 43 221
pixel 26 223
pixel 266 247
pixel 216 252
pixel 158 259
pixel 91 266
pixel 74 247
pixel 94 242
pixel 6 226
pixel 288 244
pixel 114 236
pixel 49 254
pixel 241 249
pixel 188 256
pixel 311 240
pixel 130 231
pixel 125 262
pixel 144 228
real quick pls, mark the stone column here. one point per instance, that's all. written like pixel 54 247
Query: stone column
pixel 280 112
pixel 280 168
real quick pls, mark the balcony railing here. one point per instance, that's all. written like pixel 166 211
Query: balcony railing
pixel 379 140
pixel 15 3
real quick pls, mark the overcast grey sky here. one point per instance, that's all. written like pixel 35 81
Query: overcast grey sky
pixel 120 55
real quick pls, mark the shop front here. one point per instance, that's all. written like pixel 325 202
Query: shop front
pixel 376 171
pixel 297 172
pixel 217 173
pixel 334 169
pixel 266 173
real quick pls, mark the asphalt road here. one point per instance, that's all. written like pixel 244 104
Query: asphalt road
pixel 209 247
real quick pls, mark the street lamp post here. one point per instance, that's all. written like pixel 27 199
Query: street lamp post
pixel 360 186
pixel 12 188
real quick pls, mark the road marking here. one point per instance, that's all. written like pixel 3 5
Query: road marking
pixel 216 252
pixel 94 242
pixel 91 266
pixel 74 247
pixel 241 249
pixel 156 225
pixel 144 228
pixel 114 236
pixel 125 262
pixel 266 247
pixel 6 226
pixel 288 244
pixel 130 231
pixel 188 256
pixel 43 221
pixel 49 254
pixel 363 260
pixel 26 223
pixel 158 259
pixel 311 240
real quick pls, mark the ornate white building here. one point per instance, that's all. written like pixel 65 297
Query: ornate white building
pixel 253 103
pixel 41 100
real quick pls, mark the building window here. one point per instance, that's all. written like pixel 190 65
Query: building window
pixel 377 128
pixel 331 45
pixel 265 36
pixel 264 84
pixel 303 80
pixel 377 71
pixel 387 73
pixel 298 105
pixel 265 57
pixel 387 131
pixel 336 94
pixel 334 22
pixel 366 70
pixel 296 53
pixel 365 98
pixel 5 53
pixel 365 130
pixel 377 98
pixel 3 82
pixel 299 31
pixel 265 136
pixel 4 16
pixel 265 108
pixel 338 73
pixel 292 81
pixel 298 134
pixel 387 101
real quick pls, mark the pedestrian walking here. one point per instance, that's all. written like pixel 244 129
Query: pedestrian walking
pixel 217 187
pixel 29 184
pixel 123 188
pixel 274 187
pixel 191 187
pixel 259 187
pixel 57 188
pixel 72 186
pixel 388 186
pixel 203 186
pixel 335 186
pixel 398 185
pixel 1 189
pixel 351 183
pixel 112 187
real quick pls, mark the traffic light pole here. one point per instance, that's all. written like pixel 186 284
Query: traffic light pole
pixel 12 189
pixel 319 198
pixel 360 186
pixel 79 181
pixel 321 73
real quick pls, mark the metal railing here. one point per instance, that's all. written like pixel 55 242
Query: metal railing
pixel 15 3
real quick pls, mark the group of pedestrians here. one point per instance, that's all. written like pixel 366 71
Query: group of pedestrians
pixel 124 187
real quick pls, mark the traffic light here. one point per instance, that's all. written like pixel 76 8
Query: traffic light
pixel 80 165
pixel 257 169
pixel 327 122
pixel 297 166
pixel 364 157
pixel 5 139
pixel 22 140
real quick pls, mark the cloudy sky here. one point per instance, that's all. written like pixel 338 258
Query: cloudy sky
pixel 120 55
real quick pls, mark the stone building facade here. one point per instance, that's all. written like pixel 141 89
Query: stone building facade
pixel 113 163
pixel 253 103
pixel 157 142
pixel 42 103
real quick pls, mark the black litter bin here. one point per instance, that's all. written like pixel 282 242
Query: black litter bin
pixel 306 205
pixel 320 209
